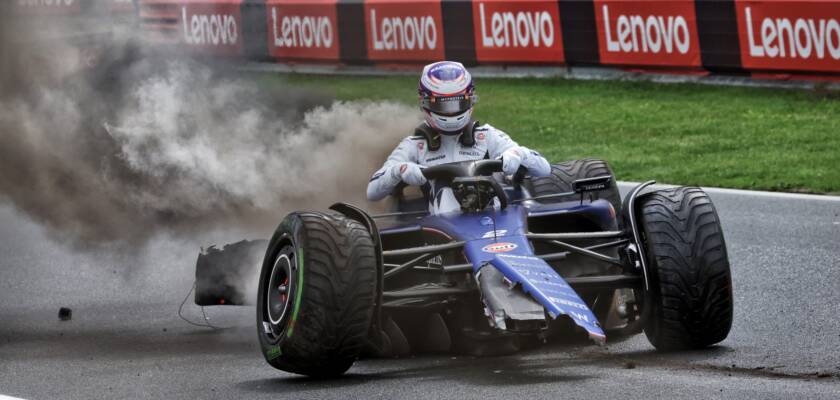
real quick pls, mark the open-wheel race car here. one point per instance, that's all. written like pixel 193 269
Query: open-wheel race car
pixel 522 259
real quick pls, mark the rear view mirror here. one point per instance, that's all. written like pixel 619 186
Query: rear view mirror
pixel 592 184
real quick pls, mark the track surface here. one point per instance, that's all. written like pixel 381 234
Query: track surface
pixel 126 341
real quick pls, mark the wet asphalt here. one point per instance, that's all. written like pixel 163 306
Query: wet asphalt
pixel 125 339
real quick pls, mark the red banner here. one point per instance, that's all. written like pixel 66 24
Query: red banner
pixel 212 26
pixel 404 30
pixel 303 29
pixel 789 35
pixel 517 31
pixel 645 32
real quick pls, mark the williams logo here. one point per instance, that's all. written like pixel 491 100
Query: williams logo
pixel 499 247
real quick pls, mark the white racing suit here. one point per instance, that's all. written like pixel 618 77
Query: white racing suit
pixel 490 143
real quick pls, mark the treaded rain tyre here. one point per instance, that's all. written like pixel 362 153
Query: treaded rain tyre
pixel 690 278
pixel 327 263
pixel 564 173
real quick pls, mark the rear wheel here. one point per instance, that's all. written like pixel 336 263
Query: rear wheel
pixel 690 280
pixel 564 173
pixel 560 181
pixel 316 294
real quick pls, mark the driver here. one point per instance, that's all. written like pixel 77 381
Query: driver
pixel 449 134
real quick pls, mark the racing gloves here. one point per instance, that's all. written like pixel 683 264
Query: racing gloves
pixel 410 173
pixel 517 156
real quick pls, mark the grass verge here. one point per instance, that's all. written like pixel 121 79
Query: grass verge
pixel 748 138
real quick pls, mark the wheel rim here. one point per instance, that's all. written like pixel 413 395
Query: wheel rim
pixel 280 284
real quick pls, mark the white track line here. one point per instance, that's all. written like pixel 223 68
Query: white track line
pixel 4 397
pixel 756 193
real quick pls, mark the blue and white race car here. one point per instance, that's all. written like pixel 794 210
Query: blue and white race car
pixel 523 259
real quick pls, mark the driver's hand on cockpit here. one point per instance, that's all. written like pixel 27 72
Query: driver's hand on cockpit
pixel 511 160
pixel 410 173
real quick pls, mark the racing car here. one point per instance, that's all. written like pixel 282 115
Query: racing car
pixel 521 260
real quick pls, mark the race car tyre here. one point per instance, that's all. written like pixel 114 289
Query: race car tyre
pixel 690 296
pixel 316 294
pixel 564 173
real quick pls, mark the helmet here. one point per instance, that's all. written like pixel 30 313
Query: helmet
pixel 446 96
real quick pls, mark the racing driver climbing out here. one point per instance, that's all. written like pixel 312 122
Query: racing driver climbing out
pixel 481 264
pixel 449 134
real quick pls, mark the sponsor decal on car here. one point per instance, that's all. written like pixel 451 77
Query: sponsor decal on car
pixel 212 28
pixel 492 234
pixel 517 31
pixel 789 35
pixel 303 29
pixel 502 247
pixel 645 32
pixel 404 30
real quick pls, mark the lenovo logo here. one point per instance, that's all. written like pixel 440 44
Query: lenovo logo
pixel 403 33
pixel 209 29
pixel 516 29
pixel 301 31
pixel 793 37
pixel 650 34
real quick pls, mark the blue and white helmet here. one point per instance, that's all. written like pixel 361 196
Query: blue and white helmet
pixel 447 96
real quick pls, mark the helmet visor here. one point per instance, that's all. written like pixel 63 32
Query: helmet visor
pixel 447 105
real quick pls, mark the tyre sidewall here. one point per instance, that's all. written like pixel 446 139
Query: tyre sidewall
pixel 288 233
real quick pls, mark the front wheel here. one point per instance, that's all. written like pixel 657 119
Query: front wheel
pixel 690 280
pixel 316 294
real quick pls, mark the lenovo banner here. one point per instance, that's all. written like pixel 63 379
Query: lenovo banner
pixel 212 26
pixel 517 31
pixel 790 35
pixel 303 29
pixel 404 30
pixel 645 32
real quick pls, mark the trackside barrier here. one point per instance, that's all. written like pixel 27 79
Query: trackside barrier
pixel 767 38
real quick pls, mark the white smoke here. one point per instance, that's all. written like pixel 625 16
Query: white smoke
pixel 214 150
pixel 138 145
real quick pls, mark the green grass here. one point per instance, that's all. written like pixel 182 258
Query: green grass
pixel 771 139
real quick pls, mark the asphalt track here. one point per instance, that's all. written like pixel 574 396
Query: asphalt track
pixel 126 341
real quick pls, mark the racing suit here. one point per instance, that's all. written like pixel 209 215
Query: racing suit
pixel 490 143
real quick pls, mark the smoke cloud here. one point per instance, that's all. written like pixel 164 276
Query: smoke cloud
pixel 121 146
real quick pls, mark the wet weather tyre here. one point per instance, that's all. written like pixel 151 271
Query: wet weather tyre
pixel 316 294
pixel 690 295
pixel 564 173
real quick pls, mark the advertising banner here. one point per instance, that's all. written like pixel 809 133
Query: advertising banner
pixel 211 26
pixel 645 32
pixel 517 31
pixel 790 35
pixel 404 30
pixel 303 29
